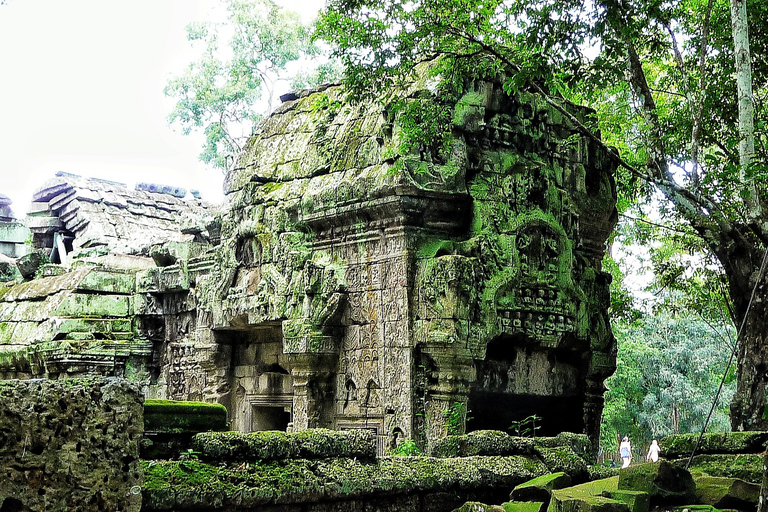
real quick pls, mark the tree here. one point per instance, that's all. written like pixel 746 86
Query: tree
pixel 669 368
pixel 227 89
pixel 661 79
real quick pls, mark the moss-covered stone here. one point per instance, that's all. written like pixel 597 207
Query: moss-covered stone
pixel 637 501
pixel 587 497
pixel 274 445
pixel 726 493
pixel 170 416
pixel 599 471
pixel 579 443
pixel 525 506
pixel 663 481
pixel 564 459
pixel 540 488
pixel 194 484
pixel 747 467
pixel 483 442
pixel 682 445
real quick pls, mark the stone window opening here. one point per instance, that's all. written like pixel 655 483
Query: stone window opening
pixel 350 394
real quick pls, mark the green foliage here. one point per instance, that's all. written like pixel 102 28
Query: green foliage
pixel 456 418
pixel 226 90
pixel 668 370
pixel 407 448
pixel 526 427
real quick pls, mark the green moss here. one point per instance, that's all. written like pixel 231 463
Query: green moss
pixel 748 467
pixel 197 484
pixel 587 496
pixel 637 501
pixel 482 442
pixel 682 445
pixel 563 458
pixel 430 248
pixel 524 506
pixel 274 445
pixel 729 493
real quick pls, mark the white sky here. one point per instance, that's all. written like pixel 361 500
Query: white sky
pixel 81 91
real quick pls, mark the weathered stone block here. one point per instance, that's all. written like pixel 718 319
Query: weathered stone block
pixel 682 445
pixel 30 263
pixel 637 501
pixel 273 445
pixel 108 282
pixel 84 305
pixel 745 466
pixel 540 489
pixel 726 493
pixel 586 497
pixel 525 506
pixel 70 445
pixel 663 481
pixel 564 459
pixel 483 442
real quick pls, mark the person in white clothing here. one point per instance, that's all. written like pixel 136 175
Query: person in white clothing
pixel 625 450
pixel 653 451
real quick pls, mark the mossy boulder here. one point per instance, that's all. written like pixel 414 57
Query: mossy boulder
pixel 579 443
pixel 177 417
pixel 274 445
pixel 663 481
pixel 540 488
pixel 200 485
pixel 587 497
pixel 483 442
pixel 748 467
pixel 525 506
pixel 30 263
pixel 682 445
pixel 564 459
pixel 598 471
pixel 730 493
pixel 637 501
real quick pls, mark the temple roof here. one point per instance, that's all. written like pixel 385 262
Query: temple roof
pixel 100 212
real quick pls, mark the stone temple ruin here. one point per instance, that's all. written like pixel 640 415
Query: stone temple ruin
pixel 354 279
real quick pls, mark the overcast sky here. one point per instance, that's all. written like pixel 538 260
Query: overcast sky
pixel 81 91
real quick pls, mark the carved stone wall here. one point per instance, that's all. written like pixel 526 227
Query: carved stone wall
pixel 366 277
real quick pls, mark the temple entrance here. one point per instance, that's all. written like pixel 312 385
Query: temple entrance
pixel 518 380
pixel 270 418
pixel 261 387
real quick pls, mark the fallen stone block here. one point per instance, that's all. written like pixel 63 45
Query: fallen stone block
pixel 525 506
pixel 722 493
pixel 540 489
pixel 663 481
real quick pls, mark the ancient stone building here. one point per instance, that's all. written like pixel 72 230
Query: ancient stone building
pixel 369 275
pixel 13 234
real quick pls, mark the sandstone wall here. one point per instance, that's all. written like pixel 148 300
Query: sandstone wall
pixel 70 445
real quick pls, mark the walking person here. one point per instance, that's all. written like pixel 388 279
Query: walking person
pixel 653 451
pixel 625 450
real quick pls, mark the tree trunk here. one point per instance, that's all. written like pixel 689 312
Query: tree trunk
pixel 743 69
pixel 741 263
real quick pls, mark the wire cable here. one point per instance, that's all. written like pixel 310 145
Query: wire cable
pixel 730 361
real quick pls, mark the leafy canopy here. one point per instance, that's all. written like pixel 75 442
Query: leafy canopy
pixel 226 90
pixel 669 368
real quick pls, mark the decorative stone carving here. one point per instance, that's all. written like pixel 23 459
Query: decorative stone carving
pixel 367 280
